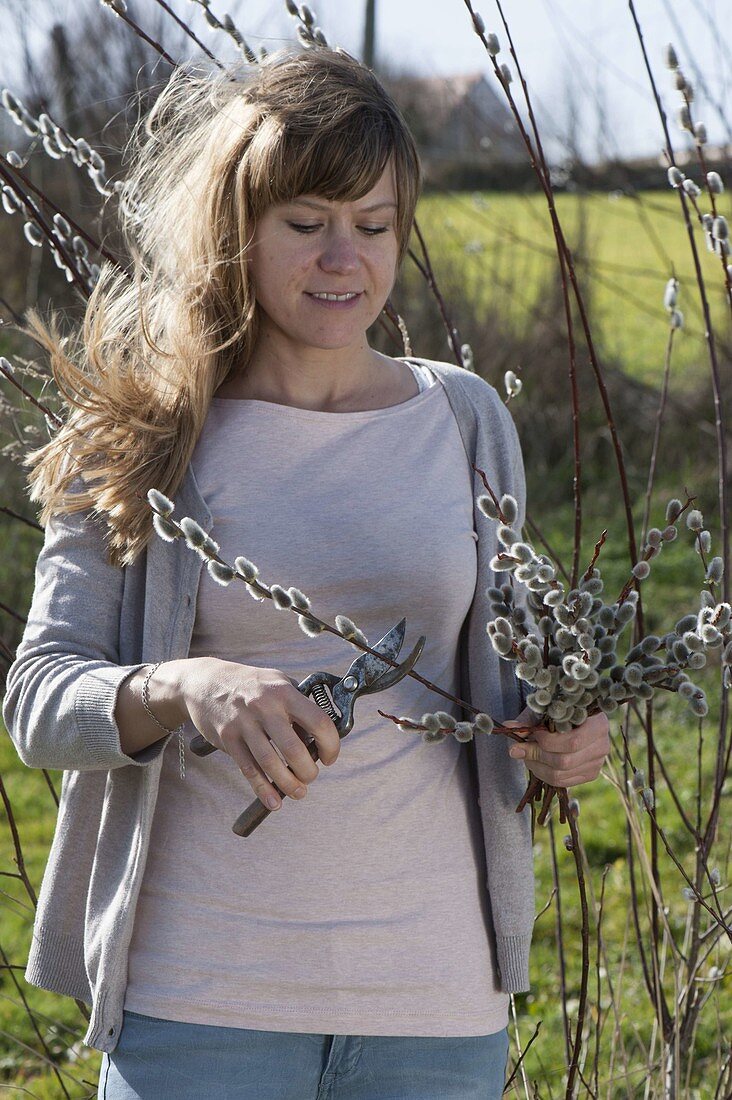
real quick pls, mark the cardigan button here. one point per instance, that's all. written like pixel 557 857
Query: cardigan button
pixel 111 1031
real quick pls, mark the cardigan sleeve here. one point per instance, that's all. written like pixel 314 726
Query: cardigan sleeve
pixel 62 687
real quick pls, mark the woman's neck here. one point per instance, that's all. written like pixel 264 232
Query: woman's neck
pixel 388 382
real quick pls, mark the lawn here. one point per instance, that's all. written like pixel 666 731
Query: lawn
pixel 625 249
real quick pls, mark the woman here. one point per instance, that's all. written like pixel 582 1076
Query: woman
pixel 362 944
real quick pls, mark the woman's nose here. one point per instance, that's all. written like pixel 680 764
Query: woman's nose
pixel 339 253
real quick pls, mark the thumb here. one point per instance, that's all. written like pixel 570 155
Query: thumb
pixel 527 718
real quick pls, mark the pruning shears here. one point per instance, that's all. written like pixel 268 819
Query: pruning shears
pixel 336 696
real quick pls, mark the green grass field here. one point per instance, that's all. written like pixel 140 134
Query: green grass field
pixel 625 250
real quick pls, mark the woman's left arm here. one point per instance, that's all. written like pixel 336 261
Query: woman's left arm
pixel 563 759
pixel 559 759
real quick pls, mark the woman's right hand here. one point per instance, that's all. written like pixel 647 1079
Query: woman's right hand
pixel 249 713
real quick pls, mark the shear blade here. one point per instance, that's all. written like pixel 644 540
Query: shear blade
pixel 369 668
pixel 393 675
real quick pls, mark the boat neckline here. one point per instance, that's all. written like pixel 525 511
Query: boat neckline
pixel 295 411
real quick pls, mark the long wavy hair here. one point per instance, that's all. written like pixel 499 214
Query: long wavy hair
pixel 160 337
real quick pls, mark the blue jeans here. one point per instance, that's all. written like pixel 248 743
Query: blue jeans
pixel 165 1060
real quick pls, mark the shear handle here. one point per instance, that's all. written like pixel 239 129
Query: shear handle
pixel 256 811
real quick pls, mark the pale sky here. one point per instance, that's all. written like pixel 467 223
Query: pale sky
pixel 589 45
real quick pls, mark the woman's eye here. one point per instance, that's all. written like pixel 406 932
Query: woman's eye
pixel 371 230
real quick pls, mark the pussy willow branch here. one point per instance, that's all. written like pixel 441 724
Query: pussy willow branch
pixel 711 18
pixel 630 856
pixel 709 331
pixel 429 274
pixel 576 852
pixel 519 1063
pixel 24 519
pixel 693 199
pixel 17 319
pixel 718 921
pixel 723 752
pixel 577 475
pixel 511 732
pixel 42 1057
pixel 20 174
pixel 13 614
pixel 187 30
pixel 26 393
pixel 674 1026
pixel 693 832
pixel 43 225
pixel 718 918
pixel 34 1022
pixel 401 335
pixel 19 860
pixel 657 430
pixel 559 933
pixel 595 555
pixel 599 954
pixel 137 29
pixel 543 176
pixel 724 260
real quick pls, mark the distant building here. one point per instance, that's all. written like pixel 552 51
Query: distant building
pixel 687 155
pixel 458 118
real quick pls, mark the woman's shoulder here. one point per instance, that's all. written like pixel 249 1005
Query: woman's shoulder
pixel 494 420
pixel 483 395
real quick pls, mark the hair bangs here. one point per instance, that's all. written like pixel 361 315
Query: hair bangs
pixel 341 164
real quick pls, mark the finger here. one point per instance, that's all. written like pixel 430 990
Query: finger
pixel 292 747
pixel 568 747
pixel 237 749
pixel 569 778
pixel 531 752
pixel 527 717
pixel 593 731
pixel 573 741
pixel 314 721
pixel 271 762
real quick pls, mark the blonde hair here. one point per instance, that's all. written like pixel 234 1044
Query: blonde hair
pixel 158 340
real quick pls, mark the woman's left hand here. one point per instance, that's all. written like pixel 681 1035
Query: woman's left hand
pixel 563 759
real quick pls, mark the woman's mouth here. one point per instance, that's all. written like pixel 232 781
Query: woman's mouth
pixel 335 301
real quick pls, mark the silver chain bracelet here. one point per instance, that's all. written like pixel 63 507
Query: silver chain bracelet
pixel 179 730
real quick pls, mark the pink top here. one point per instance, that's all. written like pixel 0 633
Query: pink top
pixel 361 909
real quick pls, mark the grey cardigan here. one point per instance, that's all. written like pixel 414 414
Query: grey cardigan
pixel 91 625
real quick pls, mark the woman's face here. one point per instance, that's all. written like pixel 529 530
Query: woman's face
pixel 314 245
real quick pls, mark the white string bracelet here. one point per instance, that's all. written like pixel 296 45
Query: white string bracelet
pixel 179 730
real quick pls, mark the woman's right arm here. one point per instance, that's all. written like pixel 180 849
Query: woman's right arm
pixel 70 705
pixel 247 711
pixel 62 687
